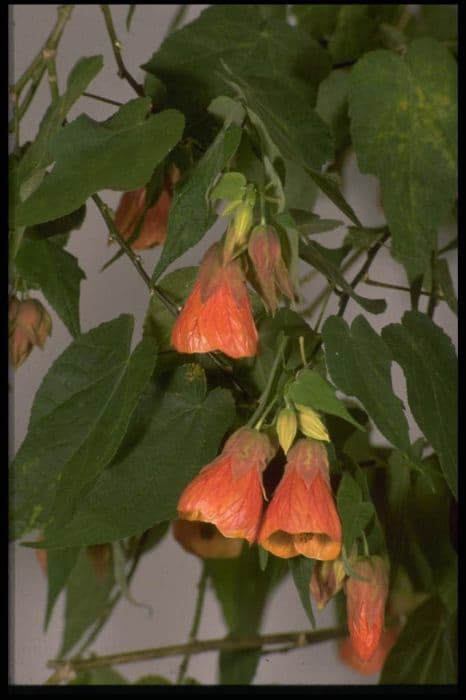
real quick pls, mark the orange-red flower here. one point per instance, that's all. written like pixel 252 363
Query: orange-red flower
pixel 302 517
pixel 271 274
pixel 217 314
pixel 375 664
pixel 365 605
pixel 204 540
pixel 29 326
pixel 228 492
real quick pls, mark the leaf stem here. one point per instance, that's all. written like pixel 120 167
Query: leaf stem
pixel 265 394
pixel 201 591
pixel 49 58
pixel 372 252
pixel 107 100
pixel 386 285
pixel 116 46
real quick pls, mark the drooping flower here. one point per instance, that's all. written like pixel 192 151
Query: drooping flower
pixel 326 581
pixel 228 492
pixel 376 662
pixel 217 314
pixel 205 541
pixel 301 517
pixel 29 326
pixel 270 272
pixel 365 604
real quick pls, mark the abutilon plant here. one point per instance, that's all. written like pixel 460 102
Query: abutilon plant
pixel 243 417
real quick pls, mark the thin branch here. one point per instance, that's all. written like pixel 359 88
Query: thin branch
pixel 201 590
pixel 265 394
pixel 294 640
pixel 372 252
pixel 107 100
pixel 49 58
pixel 116 46
pixel 177 19
pixel 386 285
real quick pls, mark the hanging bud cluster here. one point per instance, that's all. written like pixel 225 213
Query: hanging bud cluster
pixel 29 327
pixel 269 275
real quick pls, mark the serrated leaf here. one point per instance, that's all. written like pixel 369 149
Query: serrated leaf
pixel 310 389
pixel 242 590
pixel 403 124
pixel 91 156
pixel 425 650
pixel 99 676
pixel 353 33
pixel 438 21
pixel 318 20
pixel 301 570
pixel 330 188
pixel 59 567
pixel 189 59
pixel 58 227
pixel 359 363
pixel 143 484
pixel 332 106
pixel 354 512
pixel 429 363
pixel 190 216
pixel 314 255
pixel 86 599
pixel 78 419
pixel 45 266
pixel 230 186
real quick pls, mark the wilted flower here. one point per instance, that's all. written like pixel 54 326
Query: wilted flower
pixel 326 581
pixel 270 270
pixel 204 540
pixel 228 492
pixel 302 517
pixel 29 326
pixel 100 556
pixel 310 424
pixel 287 426
pixel 365 604
pixel 375 664
pixel 217 314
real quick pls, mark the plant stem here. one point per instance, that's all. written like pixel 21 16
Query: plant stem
pixel 386 285
pixel 177 19
pixel 295 640
pixel 116 46
pixel 265 394
pixel 372 252
pixel 49 58
pixel 201 591
pixel 107 100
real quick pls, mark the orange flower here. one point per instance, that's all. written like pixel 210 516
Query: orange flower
pixel 217 314
pixel 375 664
pixel 271 274
pixel 154 229
pixel 29 326
pixel 365 605
pixel 204 540
pixel 228 492
pixel 302 517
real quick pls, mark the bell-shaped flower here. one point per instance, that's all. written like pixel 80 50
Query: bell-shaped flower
pixel 205 541
pixel 130 209
pixel 217 315
pixel 270 273
pixel 228 492
pixel 301 517
pixel 365 604
pixel 375 664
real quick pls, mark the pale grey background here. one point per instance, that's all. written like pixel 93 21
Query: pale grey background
pixel 167 578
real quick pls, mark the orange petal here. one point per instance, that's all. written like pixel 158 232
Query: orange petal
pixel 349 655
pixel 204 540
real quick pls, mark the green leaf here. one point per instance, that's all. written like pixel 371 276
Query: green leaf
pixel 332 106
pixel 319 20
pixel 363 238
pixel 301 570
pixel 329 187
pixel 38 154
pixel 231 186
pixel 353 33
pixel 143 484
pixel 354 512
pixel 315 256
pixel 445 282
pixel 190 216
pixel 309 223
pixel 425 650
pixel 99 676
pixel 438 21
pixel 86 600
pixel 310 389
pixel 403 124
pixel 152 680
pixel 429 363
pixel 78 419
pixel 45 266
pixel 242 590
pixel 188 60
pixel 91 156
pixel 59 567
pixel 58 227
pixel 359 363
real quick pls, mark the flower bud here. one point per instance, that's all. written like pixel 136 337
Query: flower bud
pixel 270 273
pixel 100 556
pixel 238 230
pixel 326 581
pixel 205 541
pixel 375 664
pixel 310 424
pixel 287 426
pixel 29 325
